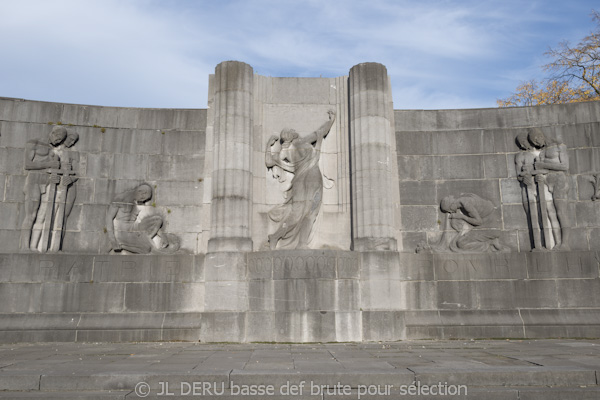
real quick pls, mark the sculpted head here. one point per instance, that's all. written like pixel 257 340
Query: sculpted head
pixel 72 138
pixel 536 137
pixel 143 193
pixel 288 136
pixel 449 204
pixel 522 141
pixel 57 135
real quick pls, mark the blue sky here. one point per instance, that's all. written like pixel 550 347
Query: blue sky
pixel 439 54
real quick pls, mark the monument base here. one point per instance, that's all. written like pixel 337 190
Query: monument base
pixel 298 296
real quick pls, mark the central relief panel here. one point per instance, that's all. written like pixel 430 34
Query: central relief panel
pixel 300 164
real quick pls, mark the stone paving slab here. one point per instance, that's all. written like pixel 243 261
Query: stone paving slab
pixel 502 369
pixel 88 395
pixel 508 376
pixel 492 393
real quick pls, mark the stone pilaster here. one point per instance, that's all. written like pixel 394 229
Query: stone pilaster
pixel 231 210
pixel 372 146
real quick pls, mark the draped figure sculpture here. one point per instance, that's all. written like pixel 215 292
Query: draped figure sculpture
pixel 299 156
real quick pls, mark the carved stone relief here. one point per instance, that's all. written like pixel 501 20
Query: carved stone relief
pixel 545 180
pixel 71 157
pixel 49 190
pixel 524 166
pixel 464 213
pixel 127 234
pixel 595 181
pixel 299 156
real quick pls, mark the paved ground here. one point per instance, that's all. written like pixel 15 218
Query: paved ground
pixel 503 369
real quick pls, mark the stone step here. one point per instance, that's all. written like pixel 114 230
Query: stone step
pixel 89 395
pixel 475 393
pixel 512 382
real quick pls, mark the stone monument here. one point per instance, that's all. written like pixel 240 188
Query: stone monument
pixel 127 234
pixel 550 169
pixel 298 156
pixel 464 213
pixel 49 196
pixel 289 210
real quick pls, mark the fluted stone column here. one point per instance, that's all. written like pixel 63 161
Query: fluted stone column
pixel 231 209
pixel 371 146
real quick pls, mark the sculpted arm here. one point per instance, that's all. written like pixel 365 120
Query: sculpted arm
pixel 271 161
pixel 321 133
pixel 32 164
pixel 524 170
pixel 539 172
pixel 470 215
pixel 73 165
pixel 519 166
pixel 110 229
pixel 563 158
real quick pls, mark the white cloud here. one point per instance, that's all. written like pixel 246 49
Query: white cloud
pixel 160 53
pixel 97 52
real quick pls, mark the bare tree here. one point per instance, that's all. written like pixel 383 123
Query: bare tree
pixel 574 75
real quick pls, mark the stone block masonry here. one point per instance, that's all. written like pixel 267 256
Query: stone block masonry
pixel 118 148
pixel 298 210
pixel 297 296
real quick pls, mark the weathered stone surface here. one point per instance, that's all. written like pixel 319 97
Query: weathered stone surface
pixel 225 267
pixel 477 369
pixel 562 265
pixel 496 166
pixel 19 297
pixel 419 218
pixel 372 149
pixel 138 268
pixel 383 325
pixel 226 296
pixel 480 267
pixel 156 297
pixel 574 293
pixel 82 297
pixel 20 381
pixel 464 217
pixel 131 141
pixel 45 268
pixel 383 173
pixel 188 168
pixel 508 376
pixel 418 193
pixel 569 322
pixel 232 149
pixel 130 233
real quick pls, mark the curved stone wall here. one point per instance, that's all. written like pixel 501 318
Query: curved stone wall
pixel 118 148
pixel 331 286
pixel 439 153
pixel 448 152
